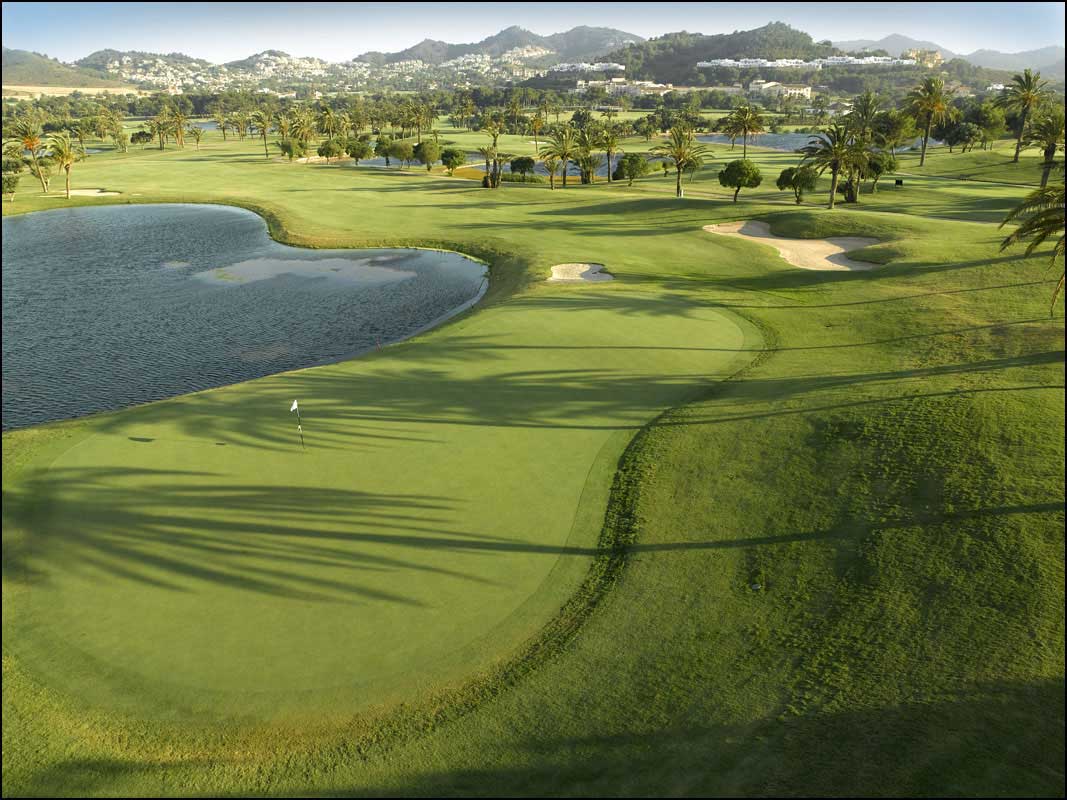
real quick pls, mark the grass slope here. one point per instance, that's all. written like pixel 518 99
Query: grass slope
pixel 887 472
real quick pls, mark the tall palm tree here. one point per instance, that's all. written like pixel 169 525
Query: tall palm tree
pixel 681 150
pixel 196 133
pixel 863 117
pixel 1023 95
pixel 178 120
pixel 929 104
pixel 587 140
pixel 65 153
pixel 561 145
pixel 263 119
pixel 1042 213
pixel 609 140
pixel 222 120
pixel 552 166
pixel 468 110
pixel 29 134
pixel 744 122
pixel 1047 133
pixel 831 150
pixel 536 124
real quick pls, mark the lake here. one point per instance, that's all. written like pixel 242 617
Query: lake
pixel 110 306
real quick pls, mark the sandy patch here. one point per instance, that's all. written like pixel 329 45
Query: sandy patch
pixel 82 193
pixel 579 272
pixel 823 254
pixel 322 160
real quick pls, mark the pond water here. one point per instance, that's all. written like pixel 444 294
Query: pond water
pixel 787 142
pixel 109 306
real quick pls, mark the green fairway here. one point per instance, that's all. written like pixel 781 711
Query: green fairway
pixel 720 526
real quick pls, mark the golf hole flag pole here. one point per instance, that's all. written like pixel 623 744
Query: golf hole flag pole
pixel 296 407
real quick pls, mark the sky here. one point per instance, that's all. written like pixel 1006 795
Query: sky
pixel 222 32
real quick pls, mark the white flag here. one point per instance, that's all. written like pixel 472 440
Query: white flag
pixel 294 408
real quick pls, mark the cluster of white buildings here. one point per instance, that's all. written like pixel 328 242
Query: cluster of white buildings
pixel 798 63
pixel 600 66
pixel 776 89
pixel 620 87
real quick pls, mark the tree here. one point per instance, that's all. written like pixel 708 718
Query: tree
pixel 893 128
pixel 30 138
pixel 331 148
pixel 880 163
pixel 383 148
pixel 740 174
pixel 1042 214
pixel 523 165
pixel 292 148
pixel 12 167
pixel 141 137
pixel 428 153
pixel 609 140
pixel 358 149
pixel 680 151
pixel 196 133
pixel 829 151
pixel 11 184
pixel 402 151
pixel 561 145
pixel 1047 133
pixel 453 157
pixel 798 180
pixel 1025 93
pixel 262 120
pixel 964 135
pixel 552 167
pixel 633 165
pixel 743 122
pixel 122 139
pixel 65 153
pixel 929 104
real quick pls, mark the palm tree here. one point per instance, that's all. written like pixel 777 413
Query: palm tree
pixel 178 120
pixel 65 152
pixel 587 140
pixel 1023 96
pixel 222 120
pixel 681 150
pixel 1047 133
pixel 746 122
pixel 263 119
pixel 536 124
pixel 1042 212
pixel 929 104
pixel 609 140
pixel 863 117
pixel 829 151
pixel 561 145
pixel 552 165
pixel 29 135
pixel 468 110
pixel 196 133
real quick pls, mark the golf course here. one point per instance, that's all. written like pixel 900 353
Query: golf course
pixel 721 524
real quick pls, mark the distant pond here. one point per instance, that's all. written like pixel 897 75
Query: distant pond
pixel 787 142
pixel 110 306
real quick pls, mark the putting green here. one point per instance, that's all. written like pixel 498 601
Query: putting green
pixel 189 556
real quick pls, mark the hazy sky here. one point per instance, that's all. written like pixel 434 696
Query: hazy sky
pixel 340 31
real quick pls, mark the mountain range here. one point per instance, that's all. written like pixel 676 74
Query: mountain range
pixel 578 44
pixel 1048 60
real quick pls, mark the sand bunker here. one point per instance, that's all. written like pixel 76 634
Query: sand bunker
pixel 827 254
pixel 579 272
pixel 82 193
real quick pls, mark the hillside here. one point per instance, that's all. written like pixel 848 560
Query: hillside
pixel 99 60
pixel 1048 59
pixel 673 56
pixel 578 44
pixel 23 68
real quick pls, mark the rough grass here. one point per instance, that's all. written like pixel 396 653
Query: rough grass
pixel 888 472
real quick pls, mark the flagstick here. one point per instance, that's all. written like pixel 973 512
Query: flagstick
pixel 300 428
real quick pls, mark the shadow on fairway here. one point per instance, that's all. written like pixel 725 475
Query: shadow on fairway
pixel 860 752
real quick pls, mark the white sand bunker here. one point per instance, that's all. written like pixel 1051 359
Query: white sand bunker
pixel 826 254
pixel 82 193
pixel 579 272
